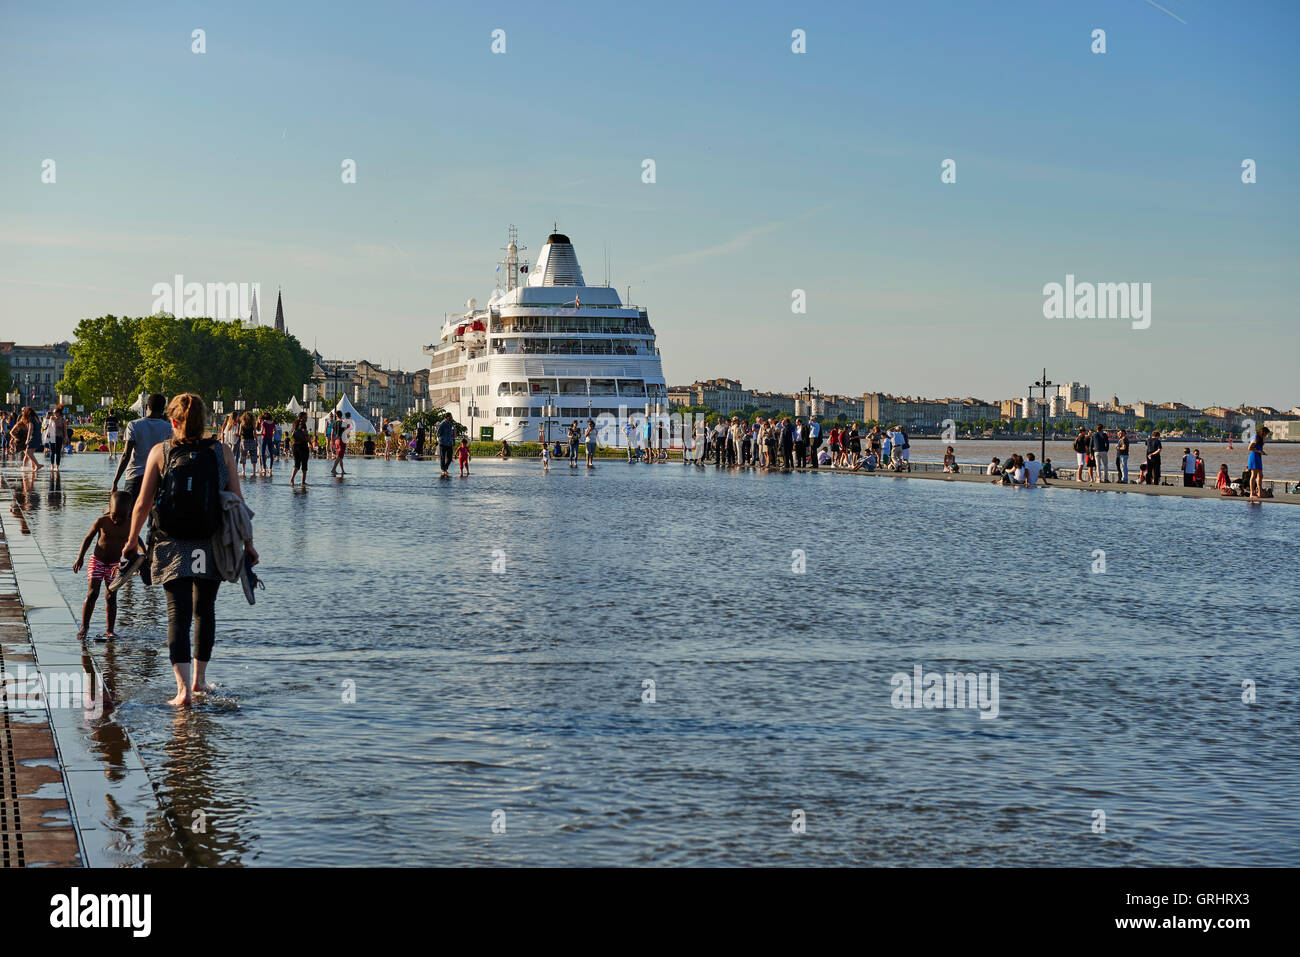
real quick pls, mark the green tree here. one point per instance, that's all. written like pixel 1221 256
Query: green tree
pixel 165 354
pixel 105 360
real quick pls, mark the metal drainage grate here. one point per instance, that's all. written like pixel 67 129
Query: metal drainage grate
pixel 11 834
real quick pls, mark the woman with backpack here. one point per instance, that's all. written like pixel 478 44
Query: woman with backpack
pixel 186 476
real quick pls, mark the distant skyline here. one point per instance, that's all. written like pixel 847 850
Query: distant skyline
pixel 774 172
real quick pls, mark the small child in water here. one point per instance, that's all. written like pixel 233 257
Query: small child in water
pixel 109 534
pixel 546 457
pixel 462 456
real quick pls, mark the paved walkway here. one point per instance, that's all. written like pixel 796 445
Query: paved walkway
pixel 35 817
pixel 73 790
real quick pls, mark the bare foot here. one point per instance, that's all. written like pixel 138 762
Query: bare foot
pixel 182 698
pixel 81 634
pixel 203 689
pixel 110 635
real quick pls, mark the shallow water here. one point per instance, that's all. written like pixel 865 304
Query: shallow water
pixel 520 690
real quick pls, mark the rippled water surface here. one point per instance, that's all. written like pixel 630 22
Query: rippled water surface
pixel 520 690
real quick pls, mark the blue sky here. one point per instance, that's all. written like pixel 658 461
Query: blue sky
pixel 775 172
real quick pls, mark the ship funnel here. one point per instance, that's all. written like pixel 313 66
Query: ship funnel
pixel 557 265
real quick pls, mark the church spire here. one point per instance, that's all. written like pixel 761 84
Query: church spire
pixel 252 318
pixel 279 313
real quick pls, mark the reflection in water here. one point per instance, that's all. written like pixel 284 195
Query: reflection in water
pixel 389 691
pixel 207 825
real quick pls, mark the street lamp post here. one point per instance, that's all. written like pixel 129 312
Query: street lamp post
pixel 1043 384
pixel 809 390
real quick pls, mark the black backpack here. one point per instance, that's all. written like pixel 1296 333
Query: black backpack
pixel 188 507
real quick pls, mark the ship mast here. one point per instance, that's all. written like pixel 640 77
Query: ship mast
pixel 511 262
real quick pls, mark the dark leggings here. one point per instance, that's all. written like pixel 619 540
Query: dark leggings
pixel 191 599
pixel 56 453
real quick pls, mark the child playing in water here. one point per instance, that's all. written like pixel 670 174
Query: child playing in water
pixel 546 457
pixel 110 530
pixel 462 456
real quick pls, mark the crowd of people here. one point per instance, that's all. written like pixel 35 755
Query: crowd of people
pixel 788 443
pixel 26 435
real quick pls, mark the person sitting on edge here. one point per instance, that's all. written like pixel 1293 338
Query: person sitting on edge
pixel 109 533
pixel 949 461
pixel 995 467
pixel 1013 471
pixel 1048 471
pixel 504 451
pixel 1018 475
pixel 1033 469
pixel 1222 482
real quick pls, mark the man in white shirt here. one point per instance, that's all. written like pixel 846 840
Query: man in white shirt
pixel 1032 468
pixel 814 438
pixel 896 447
pixel 1189 468
pixel 141 436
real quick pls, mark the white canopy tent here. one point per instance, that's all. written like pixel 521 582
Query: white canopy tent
pixel 293 405
pixel 360 424
pixel 138 408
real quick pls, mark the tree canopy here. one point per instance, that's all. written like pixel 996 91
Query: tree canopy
pixel 227 360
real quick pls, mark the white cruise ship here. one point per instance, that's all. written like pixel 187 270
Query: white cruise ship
pixel 545 339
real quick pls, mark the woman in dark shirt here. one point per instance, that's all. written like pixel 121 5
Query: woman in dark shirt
pixel 301 437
